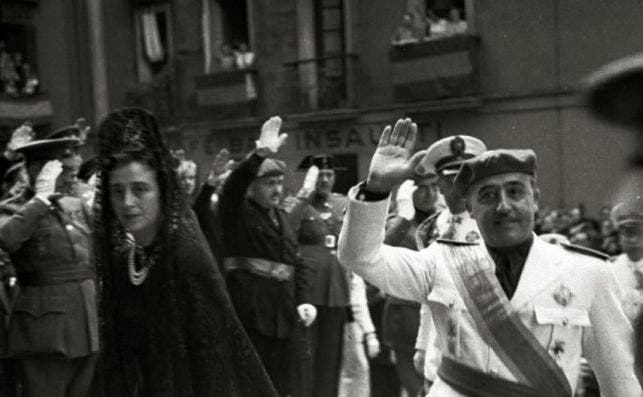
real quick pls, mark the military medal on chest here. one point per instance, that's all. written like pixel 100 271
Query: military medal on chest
pixel 563 295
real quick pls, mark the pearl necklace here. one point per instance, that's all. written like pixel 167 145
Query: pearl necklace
pixel 136 277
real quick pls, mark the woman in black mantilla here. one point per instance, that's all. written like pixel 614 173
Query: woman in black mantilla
pixel 167 325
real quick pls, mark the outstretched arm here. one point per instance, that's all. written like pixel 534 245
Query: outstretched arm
pixel 397 271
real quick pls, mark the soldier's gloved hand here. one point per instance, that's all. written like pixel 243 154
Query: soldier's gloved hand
pixel 45 184
pixel 310 182
pixel 270 140
pixel 372 345
pixel 418 360
pixel 220 165
pixel 404 199
pixel 21 136
pixel 307 313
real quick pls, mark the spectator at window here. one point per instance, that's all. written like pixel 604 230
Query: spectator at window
pixel 226 58
pixel 406 33
pixel 8 73
pixel 435 26
pixel 244 58
pixel 455 24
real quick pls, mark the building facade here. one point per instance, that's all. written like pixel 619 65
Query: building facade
pixel 214 70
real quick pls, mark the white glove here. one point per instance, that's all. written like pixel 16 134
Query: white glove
pixel 20 136
pixel 372 345
pixel 307 313
pixel 418 360
pixel 84 129
pixel 46 181
pixel 270 138
pixel 310 182
pixel 404 199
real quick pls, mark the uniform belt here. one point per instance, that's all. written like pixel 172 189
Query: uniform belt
pixel 474 383
pixel 329 240
pixel 59 276
pixel 403 302
pixel 261 267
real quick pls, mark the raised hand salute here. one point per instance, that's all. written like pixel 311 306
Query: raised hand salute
pixel 392 162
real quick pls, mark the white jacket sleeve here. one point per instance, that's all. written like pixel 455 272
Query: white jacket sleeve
pixel 608 345
pixel 421 340
pixel 359 305
pixel 397 271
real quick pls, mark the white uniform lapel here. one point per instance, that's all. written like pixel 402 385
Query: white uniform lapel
pixel 541 269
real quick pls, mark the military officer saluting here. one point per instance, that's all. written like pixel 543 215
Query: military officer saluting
pixel 53 330
pixel 513 314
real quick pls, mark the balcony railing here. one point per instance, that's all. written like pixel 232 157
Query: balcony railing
pixel 325 83
pixel 227 94
pixel 435 69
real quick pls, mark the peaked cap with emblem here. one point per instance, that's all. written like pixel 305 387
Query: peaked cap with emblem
pixel 446 155
pixel 48 149
pixel 494 162
pixel 628 212
pixel 615 91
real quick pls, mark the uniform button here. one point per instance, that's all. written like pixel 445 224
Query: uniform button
pixel 493 372
pixel 69 227
pixel 565 322
pixel 451 304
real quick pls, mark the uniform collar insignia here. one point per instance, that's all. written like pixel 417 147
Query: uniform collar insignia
pixel 563 295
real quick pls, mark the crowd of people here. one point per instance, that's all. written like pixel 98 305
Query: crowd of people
pixel 416 27
pixel 235 58
pixel 17 76
pixel 438 275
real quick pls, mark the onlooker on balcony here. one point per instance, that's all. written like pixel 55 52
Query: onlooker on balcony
pixel 406 33
pixel 435 26
pixel 455 24
pixel 226 58
pixel 244 58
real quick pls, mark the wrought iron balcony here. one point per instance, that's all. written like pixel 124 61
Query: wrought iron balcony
pixel 441 68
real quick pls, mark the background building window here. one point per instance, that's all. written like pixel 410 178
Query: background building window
pixel 227 38
pixel 154 41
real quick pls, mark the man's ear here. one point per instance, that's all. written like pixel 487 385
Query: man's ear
pixel 537 199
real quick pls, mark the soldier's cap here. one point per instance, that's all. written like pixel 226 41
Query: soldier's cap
pixel 49 149
pixel 615 91
pixel 271 167
pixel 628 212
pixel 321 161
pixel 70 131
pixel 446 155
pixel 494 162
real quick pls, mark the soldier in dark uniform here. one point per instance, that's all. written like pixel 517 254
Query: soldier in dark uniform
pixel 268 284
pixel 317 220
pixel 53 329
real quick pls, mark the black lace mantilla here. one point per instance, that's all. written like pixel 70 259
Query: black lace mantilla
pixel 193 342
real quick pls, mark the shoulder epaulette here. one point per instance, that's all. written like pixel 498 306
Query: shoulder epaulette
pixel 455 242
pixel 585 251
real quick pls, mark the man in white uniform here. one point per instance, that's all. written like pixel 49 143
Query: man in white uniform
pixel 513 315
